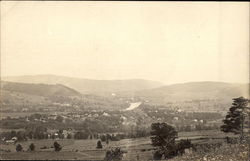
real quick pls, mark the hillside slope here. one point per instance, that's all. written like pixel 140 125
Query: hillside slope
pixel 39 89
pixel 194 96
pixel 88 86
pixel 197 91
pixel 45 96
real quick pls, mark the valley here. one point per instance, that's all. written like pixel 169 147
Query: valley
pixel 35 110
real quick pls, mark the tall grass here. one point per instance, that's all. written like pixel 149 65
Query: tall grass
pixel 225 152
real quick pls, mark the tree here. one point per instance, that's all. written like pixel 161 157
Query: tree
pixel 69 136
pixel 107 141
pixel 103 137
pixel 19 148
pixel 81 135
pixel 99 144
pixel 157 155
pixel 21 136
pixel 182 145
pixel 59 118
pixel 162 134
pixel 163 137
pixel 32 147
pixel 235 118
pixel 57 146
pixel 30 134
pixel 40 132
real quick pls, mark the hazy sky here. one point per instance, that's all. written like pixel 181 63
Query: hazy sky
pixel 164 41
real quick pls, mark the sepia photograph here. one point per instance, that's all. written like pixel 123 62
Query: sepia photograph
pixel 124 80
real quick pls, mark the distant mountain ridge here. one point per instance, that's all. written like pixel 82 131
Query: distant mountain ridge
pixel 192 96
pixel 197 90
pixel 88 86
pixel 39 89
pixel 20 95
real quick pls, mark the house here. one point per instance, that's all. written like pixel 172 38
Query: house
pixel 96 115
pixel 12 140
pixel 27 119
pixel 25 109
pixel 195 120
pixel 176 118
pixel 105 114
pixel 56 136
pixel 52 116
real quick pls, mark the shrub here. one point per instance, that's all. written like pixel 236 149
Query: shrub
pixel 182 145
pixel 69 136
pixel 32 147
pixel 57 146
pixel 103 138
pixel 19 148
pixel 99 144
pixel 157 155
pixel 171 151
pixel 114 155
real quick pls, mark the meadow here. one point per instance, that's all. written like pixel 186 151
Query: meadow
pixel 138 148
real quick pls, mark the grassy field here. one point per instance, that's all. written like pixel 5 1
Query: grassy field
pixel 21 114
pixel 14 114
pixel 86 149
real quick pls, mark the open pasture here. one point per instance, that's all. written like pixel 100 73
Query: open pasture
pixel 86 149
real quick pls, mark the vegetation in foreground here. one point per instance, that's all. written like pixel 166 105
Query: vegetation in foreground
pixel 226 152
pixel 164 135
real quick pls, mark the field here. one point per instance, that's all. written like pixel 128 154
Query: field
pixel 86 149
pixel 21 114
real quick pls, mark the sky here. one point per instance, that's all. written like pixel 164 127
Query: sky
pixel 171 42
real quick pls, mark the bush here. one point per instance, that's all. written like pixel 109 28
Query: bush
pixel 103 138
pixel 182 145
pixel 32 147
pixel 157 155
pixel 170 151
pixel 19 148
pixel 231 140
pixel 69 136
pixel 57 146
pixel 114 155
pixel 99 145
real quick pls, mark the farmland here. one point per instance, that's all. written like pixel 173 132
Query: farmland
pixel 86 149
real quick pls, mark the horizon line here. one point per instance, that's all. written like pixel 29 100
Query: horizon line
pixel 183 82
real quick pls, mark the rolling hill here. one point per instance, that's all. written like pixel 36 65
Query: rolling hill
pixel 193 96
pixel 197 91
pixel 39 89
pixel 88 86
pixel 17 95
pixel 36 94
